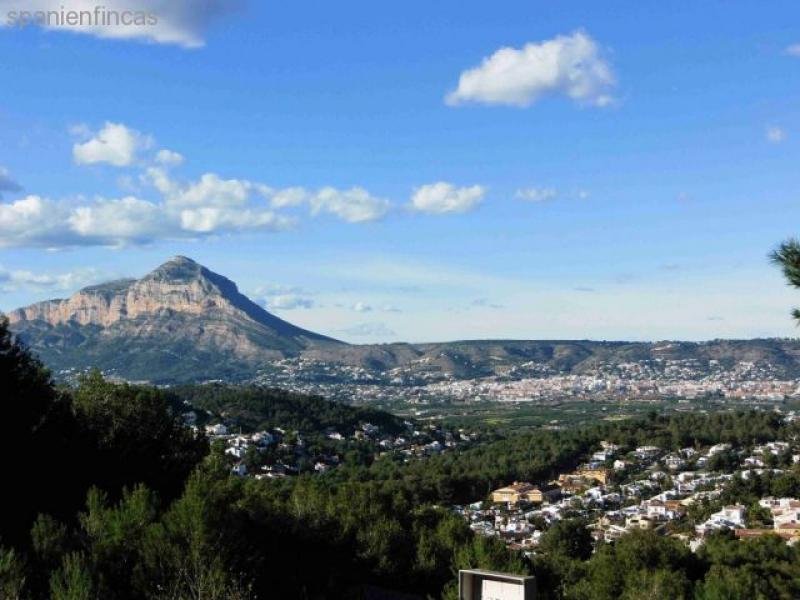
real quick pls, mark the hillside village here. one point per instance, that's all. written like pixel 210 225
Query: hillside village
pixel 676 493
pixel 642 380
pixel 279 453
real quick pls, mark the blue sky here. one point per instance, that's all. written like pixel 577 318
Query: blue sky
pixel 415 171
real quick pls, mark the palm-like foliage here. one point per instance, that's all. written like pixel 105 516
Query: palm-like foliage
pixel 787 257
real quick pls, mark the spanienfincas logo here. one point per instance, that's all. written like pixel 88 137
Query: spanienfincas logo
pixel 97 16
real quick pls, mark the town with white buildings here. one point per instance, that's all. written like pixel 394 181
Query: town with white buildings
pixel 644 380
pixel 618 490
pixel 281 453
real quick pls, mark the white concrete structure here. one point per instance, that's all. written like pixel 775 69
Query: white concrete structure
pixel 475 584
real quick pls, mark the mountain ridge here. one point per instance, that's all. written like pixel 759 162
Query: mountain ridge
pixel 179 284
pixel 182 322
pixel 179 310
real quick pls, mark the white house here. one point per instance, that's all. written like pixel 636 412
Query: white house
pixel 216 429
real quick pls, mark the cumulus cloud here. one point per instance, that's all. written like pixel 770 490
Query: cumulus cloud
pixel 284 297
pixel 32 220
pixel 213 219
pixel 168 158
pixel 289 302
pixel 443 197
pixel 193 209
pixel 115 144
pixel 534 194
pixel 12 280
pixel 40 222
pixel 209 190
pixel 178 22
pixel 293 196
pixel 158 205
pixel 212 204
pixel 7 183
pixel 355 205
pixel 128 219
pixel 361 307
pixel 775 135
pixel 571 65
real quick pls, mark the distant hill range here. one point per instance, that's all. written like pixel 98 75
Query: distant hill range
pixel 185 323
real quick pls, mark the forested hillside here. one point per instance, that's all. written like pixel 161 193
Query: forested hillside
pixel 128 504
pixel 254 408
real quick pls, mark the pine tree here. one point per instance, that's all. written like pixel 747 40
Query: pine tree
pixel 787 257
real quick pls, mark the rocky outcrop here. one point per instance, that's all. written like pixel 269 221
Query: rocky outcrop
pixel 179 285
pixel 100 305
pixel 179 309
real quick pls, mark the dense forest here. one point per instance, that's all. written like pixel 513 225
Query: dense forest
pixel 114 499
pixel 254 408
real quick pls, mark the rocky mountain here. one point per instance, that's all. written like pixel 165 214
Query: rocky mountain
pixel 179 322
pixel 184 323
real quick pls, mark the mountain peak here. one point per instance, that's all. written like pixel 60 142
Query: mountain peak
pixel 181 260
pixel 178 316
pixel 177 269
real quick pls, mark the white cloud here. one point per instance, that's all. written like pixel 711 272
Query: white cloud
pixel 7 183
pixel 567 64
pixel 214 205
pixel 209 205
pixel 536 194
pixel 775 135
pixel 114 144
pixel 38 222
pixel 355 205
pixel 112 222
pixel 443 197
pixel 289 302
pixel 160 179
pixel 210 190
pixel 168 158
pixel 293 196
pixel 178 22
pixel 13 280
pixel 32 220
pixel 181 209
pixel 214 219
pixel 793 50
pixel 362 307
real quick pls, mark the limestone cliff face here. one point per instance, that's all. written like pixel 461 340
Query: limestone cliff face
pixel 97 305
pixel 180 285
pixel 181 307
